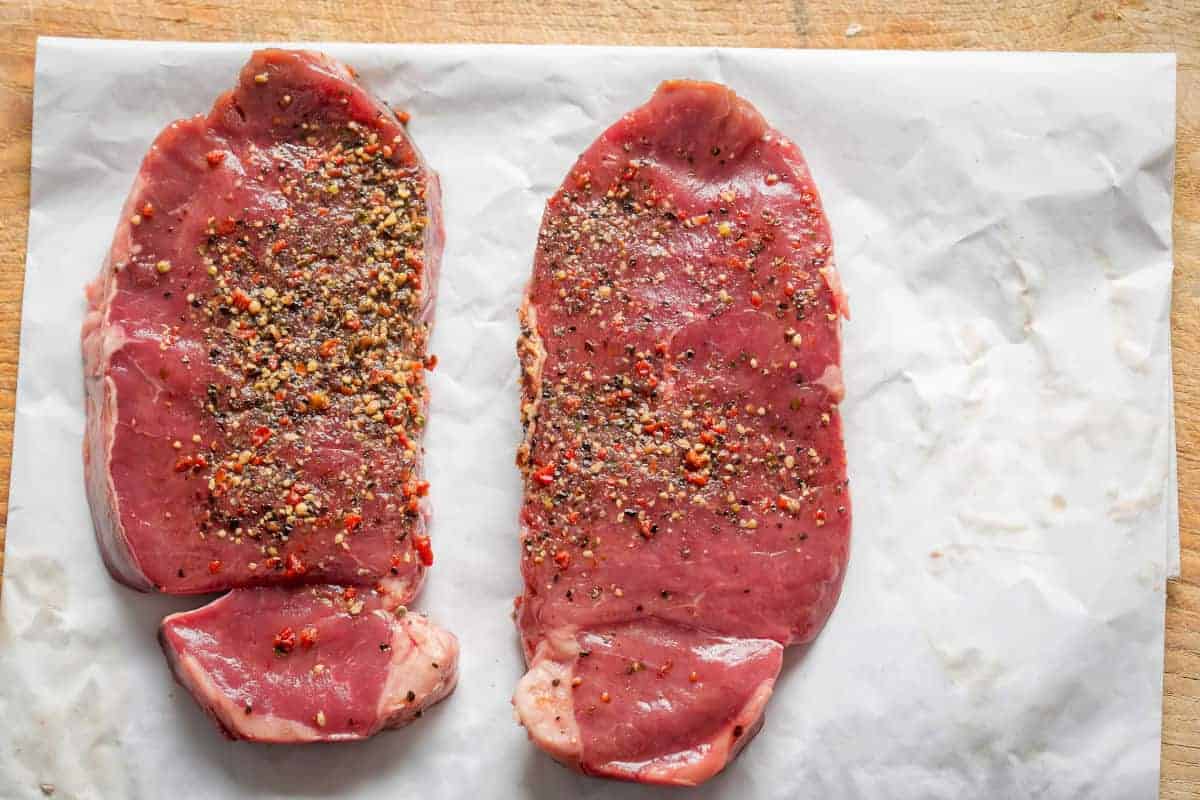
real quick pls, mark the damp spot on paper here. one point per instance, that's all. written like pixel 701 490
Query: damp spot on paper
pixel 1126 509
pixel 1058 502
pixel 1152 576
pixel 43 584
pixel 972 343
pixel 1132 355
pixel 992 523
pixel 944 560
pixel 969 669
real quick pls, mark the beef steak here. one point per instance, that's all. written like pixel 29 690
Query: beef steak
pixel 256 342
pixel 686 513
pixel 320 663
pixel 254 353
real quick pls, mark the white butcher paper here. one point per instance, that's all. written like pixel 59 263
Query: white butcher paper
pixel 1002 223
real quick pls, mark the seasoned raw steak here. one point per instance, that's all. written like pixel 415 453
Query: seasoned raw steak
pixel 254 355
pixel 256 343
pixel 321 662
pixel 686 514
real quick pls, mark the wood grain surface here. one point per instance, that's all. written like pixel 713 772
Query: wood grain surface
pixel 1091 25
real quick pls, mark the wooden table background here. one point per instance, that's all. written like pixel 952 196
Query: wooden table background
pixel 1095 25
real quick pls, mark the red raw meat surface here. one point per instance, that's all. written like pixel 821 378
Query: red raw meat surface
pixel 686 513
pixel 254 356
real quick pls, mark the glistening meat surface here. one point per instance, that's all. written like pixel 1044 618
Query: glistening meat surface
pixel 254 354
pixel 255 345
pixel 686 513
pixel 321 663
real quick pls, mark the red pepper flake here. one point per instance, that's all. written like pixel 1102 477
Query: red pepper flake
pixel 184 463
pixel 697 479
pixel 327 347
pixel 756 299
pixel 278 247
pixel 308 636
pixel 424 550
pixel 785 503
pixel 295 566
pixel 214 157
pixel 563 559
pixel 260 435
pixel 352 521
pixel 350 593
pixel 431 362
pixel 544 475
pixel 415 489
pixel 241 299
pixel 148 211
pixel 214 567
pixel 285 641
pixel 643 368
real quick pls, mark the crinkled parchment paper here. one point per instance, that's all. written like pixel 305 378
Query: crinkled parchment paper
pixel 1003 227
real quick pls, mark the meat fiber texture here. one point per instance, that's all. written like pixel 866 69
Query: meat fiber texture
pixel 686 511
pixel 254 356
pixel 308 663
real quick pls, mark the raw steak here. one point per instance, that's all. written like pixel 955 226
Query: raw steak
pixel 327 663
pixel 686 515
pixel 256 342
pixel 254 354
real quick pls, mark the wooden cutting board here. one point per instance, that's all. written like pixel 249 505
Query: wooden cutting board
pixel 1091 25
